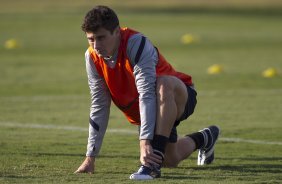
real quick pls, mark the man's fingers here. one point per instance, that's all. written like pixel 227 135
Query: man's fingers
pixel 77 171
pixel 156 158
pixel 84 170
pixel 153 160
pixel 150 162
pixel 80 171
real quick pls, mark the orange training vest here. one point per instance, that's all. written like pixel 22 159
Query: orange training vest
pixel 120 79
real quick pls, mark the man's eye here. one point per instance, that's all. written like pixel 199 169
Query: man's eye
pixel 100 38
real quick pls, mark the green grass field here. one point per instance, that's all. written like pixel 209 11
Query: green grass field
pixel 44 96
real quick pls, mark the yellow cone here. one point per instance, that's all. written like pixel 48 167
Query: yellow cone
pixel 215 69
pixel 270 72
pixel 188 39
pixel 12 44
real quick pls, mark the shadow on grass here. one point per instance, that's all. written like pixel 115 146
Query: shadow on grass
pixel 16 177
pixel 227 171
pixel 244 168
pixel 123 156
pixel 114 156
pixel 54 154
pixel 255 158
pixel 177 176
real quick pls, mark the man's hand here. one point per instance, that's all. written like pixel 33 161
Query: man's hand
pixel 87 166
pixel 147 156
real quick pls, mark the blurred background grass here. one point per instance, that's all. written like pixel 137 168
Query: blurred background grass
pixel 240 35
pixel 243 37
pixel 43 81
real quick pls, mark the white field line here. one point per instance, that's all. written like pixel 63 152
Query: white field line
pixel 120 131
pixel 56 127
pixel 226 139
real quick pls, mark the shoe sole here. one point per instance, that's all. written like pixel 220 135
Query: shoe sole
pixel 145 174
pixel 140 177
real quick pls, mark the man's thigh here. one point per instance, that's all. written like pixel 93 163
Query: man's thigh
pixel 176 89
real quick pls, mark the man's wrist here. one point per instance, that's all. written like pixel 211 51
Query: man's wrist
pixel 91 159
pixel 145 142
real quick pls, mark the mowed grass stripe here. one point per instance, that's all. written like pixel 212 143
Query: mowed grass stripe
pixel 228 92
pixel 122 131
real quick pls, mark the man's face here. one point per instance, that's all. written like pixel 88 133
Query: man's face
pixel 103 42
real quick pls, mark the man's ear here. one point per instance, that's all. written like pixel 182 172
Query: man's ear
pixel 117 30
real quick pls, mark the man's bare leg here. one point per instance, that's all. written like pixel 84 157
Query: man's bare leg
pixel 171 100
pixel 176 152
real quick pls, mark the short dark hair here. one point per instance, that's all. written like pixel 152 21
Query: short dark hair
pixel 100 16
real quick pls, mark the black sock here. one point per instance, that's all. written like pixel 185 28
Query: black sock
pixel 198 138
pixel 159 143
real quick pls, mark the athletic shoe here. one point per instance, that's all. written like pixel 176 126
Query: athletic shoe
pixel 146 173
pixel 206 153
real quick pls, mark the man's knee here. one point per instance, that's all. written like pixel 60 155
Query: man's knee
pixel 170 88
